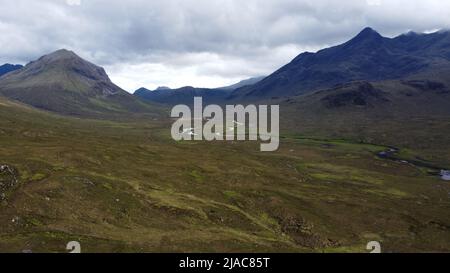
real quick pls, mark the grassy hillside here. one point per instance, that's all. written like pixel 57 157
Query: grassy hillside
pixel 122 186
pixel 412 114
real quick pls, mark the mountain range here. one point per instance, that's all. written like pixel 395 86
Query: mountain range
pixel 368 56
pixel 183 95
pixel 186 94
pixel 63 82
pixel 6 68
pixel 364 135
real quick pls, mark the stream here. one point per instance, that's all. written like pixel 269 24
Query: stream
pixel 391 154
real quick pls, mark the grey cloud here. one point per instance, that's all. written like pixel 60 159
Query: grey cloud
pixel 213 37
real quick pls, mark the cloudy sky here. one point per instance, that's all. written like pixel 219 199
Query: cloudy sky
pixel 203 43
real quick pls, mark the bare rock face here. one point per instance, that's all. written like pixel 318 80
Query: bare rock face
pixel 427 85
pixel 354 94
pixel 302 232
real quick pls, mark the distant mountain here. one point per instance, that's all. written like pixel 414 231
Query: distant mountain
pixel 162 88
pixel 185 95
pixel 6 68
pixel 368 56
pixel 65 83
pixel 243 83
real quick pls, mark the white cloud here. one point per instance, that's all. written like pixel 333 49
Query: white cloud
pixel 374 2
pixel 73 2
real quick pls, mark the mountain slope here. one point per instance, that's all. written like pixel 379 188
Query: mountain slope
pixel 412 113
pixel 368 56
pixel 64 83
pixel 6 68
pixel 243 83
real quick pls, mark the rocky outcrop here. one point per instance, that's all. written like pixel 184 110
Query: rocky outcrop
pixel 356 94
pixel 8 180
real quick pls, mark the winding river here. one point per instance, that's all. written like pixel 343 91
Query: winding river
pixel 391 154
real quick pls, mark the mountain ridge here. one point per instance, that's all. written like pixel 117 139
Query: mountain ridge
pixel 65 83
pixel 186 94
pixel 183 95
pixel 367 56
pixel 7 68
